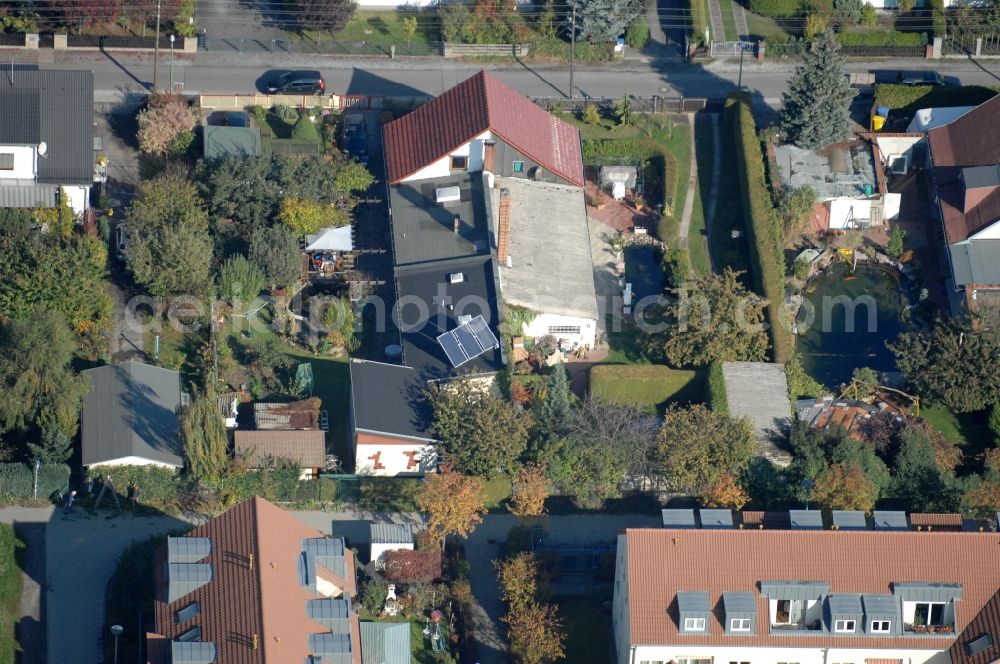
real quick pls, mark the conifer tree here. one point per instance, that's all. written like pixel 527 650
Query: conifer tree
pixel 816 106
pixel 553 414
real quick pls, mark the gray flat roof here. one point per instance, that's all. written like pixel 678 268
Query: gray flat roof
pixel 678 518
pixel 388 398
pixel 422 228
pixel 220 142
pixel 552 270
pixel 57 107
pixel 131 411
pixel 428 288
pixel 391 533
pixel 759 391
pixel 840 170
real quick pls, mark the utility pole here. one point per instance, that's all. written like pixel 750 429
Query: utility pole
pixel 572 49
pixel 739 84
pixel 156 47
pixel 171 64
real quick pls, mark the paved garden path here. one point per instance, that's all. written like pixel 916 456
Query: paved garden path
pixel 740 14
pixel 715 18
pixel 692 188
pixel 713 192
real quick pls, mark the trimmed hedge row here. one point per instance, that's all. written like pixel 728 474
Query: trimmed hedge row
pixel 17 480
pixel 882 38
pixel 906 100
pixel 766 258
pixel 776 8
pixel 715 389
pixel 939 23
pixel 699 19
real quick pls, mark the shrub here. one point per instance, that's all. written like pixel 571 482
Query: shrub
pixel 405 566
pixel 166 117
pixel 591 115
pixel 699 19
pixel 637 33
pixel 373 596
pixel 389 494
pixel 816 24
pixel 305 129
pixel 181 144
pixel 285 113
pixel 158 486
pixel 760 220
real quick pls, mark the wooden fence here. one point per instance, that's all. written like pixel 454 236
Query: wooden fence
pixel 333 102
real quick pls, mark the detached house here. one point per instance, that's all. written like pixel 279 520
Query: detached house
pixel 47 138
pixel 965 158
pixel 809 596
pixel 486 199
pixel 255 585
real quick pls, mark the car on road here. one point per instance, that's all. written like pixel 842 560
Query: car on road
pixel 918 77
pixel 297 82
pixel 237 119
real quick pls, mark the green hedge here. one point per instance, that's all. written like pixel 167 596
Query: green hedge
pixel 939 23
pixel 157 486
pixel 17 480
pixel 905 100
pixel 699 19
pixel 882 38
pixel 389 494
pixel 715 392
pixel 763 228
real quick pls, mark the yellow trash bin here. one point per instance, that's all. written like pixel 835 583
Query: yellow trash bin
pixel 877 122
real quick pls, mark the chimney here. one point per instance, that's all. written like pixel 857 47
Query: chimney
pixel 503 227
pixel 456 223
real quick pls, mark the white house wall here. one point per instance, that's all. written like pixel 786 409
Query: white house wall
pixel 619 610
pixel 542 323
pixel 991 232
pixel 897 146
pixel 393 457
pixel 442 167
pixel 24 162
pixel 841 208
pixel 890 205
pixel 78 198
pixel 771 655
pixel 133 461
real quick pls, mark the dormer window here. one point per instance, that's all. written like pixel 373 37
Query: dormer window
pixel 881 627
pixel 694 624
pixel 739 625
pixel 844 626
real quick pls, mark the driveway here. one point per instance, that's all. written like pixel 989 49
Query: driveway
pixel 483 547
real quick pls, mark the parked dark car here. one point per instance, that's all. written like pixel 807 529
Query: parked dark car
pixel 237 119
pixel 298 82
pixel 917 77
pixel 355 140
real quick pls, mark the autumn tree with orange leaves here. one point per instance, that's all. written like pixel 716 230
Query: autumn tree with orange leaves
pixel 453 503
pixel 845 487
pixel 726 492
pixel 530 491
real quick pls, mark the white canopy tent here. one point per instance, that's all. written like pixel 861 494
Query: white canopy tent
pixel 331 239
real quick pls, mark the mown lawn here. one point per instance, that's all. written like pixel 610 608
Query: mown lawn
pixel 10 591
pixel 729 20
pixel 652 387
pixel 968 430
pixel 387 26
pixel 589 635
pixel 496 492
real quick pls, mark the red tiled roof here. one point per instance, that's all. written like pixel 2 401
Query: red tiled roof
pixel 255 588
pixel 470 108
pixel 306 447
pixel 966 141
pixel 662 562
pixel 987 622
pixel 936 521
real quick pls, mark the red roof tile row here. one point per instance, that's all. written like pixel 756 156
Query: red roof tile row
pixel 479 104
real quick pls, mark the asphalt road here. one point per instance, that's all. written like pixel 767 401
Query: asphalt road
pixel 221 72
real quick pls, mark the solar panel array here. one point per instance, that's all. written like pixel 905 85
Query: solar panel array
pixel 468 341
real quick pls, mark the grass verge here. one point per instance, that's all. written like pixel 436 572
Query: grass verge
pixel 10 592
pixel 728 20
pixel 588 629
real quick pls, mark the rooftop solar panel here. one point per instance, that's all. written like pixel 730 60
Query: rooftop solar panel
pixel 468 341
pixel 806 519
pixel 888 520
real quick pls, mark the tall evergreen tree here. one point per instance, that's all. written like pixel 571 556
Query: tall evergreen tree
pixel 53 447
pixel 605 20
pixel 553 414
pixel 816 106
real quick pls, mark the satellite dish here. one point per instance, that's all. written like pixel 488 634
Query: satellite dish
pixel 43 148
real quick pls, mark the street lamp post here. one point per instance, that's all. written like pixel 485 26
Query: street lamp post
pixel 38 462
pixel 156 46
pixel 572 50
pixel 116 631
pixel 172 63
